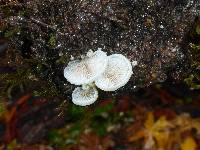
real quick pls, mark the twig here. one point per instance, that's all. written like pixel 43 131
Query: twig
pixel 43 24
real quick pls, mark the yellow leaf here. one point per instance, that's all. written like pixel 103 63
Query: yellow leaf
pixel 189 144
pixel 150 121
pixel 161 123
pixel 162 138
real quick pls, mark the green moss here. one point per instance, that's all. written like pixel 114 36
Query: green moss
pixel 75 130
pixel 23 12
pixel 52 40
pixel 11 32
pixel 75 112
pixel 195 46
pixel 7 11
pixel 11 81
pixel 198 29
pixel 100 128
pixel 63 59
pixel 103 109
pixel 54 137
pixel 193 80
pixel 28 79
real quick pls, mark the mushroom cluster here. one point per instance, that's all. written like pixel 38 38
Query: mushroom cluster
pixel 108 73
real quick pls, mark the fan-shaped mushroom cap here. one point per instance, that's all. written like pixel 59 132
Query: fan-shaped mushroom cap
pixel 86 70
pixel 116 75
pixel 83 97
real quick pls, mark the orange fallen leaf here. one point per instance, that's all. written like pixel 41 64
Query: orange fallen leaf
pixel 189 144
pixel 154 132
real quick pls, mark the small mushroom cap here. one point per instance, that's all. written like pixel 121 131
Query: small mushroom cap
pixel 83 97
pixel 117 73
pixel 85 71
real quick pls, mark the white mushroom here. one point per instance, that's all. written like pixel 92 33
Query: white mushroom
pixel 117 73
pixel 83 97
pixel 85 71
